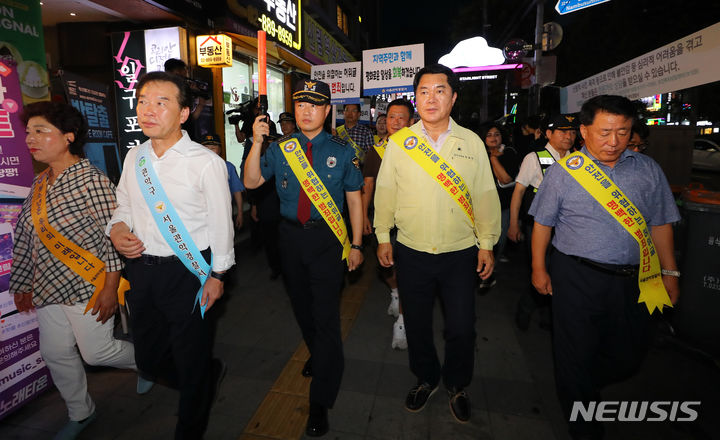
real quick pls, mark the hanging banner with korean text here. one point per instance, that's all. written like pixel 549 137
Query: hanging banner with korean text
pixel 214 50
pixel 92 100
pixel 685 63
pixel 391 69
pixel 343 79
pixel 16 169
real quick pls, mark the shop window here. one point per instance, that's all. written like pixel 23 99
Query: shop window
pixel 237 90
pixel 342 20
pixel 275 91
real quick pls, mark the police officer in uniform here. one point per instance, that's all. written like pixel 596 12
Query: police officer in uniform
pixel 311 254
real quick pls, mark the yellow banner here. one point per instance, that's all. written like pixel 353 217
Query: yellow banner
pixel 83 263
pixel 316 191
pixel 343 133
pixel 439 169
pixel 380 147
pixel 607 194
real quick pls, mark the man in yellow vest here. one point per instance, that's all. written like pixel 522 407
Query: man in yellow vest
pixel 436 185
pixel 612 260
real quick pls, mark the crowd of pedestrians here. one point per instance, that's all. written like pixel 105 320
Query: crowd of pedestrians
pixel 436 202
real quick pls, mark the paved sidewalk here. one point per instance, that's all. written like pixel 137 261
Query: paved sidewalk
pixel 512 394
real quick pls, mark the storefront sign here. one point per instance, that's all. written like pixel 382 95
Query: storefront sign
pixel 16 170
pixel 321 47
pixel 281 20
pixel 163 44
pixel 214 50
pixel 343 79
pixel 129 64
pixel 21 40
pixel 391 69
pixel 679 65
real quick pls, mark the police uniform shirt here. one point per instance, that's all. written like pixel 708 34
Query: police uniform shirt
pixel 334 163
pixel 584 228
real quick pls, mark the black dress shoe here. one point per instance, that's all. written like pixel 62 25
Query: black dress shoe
pixel 459 405
pixel 307 369
pixel 317 424
pixel 418 396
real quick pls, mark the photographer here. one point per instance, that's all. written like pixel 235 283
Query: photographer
pixel 246 113
pixel 197 88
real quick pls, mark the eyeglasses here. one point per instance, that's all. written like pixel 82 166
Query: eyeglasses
pixel 642 146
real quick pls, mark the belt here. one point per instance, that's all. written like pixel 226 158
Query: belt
pixel 310 224
pixel 625 270
pixel 152 260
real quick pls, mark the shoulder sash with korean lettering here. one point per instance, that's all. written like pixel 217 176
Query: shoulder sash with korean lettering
pixel 607 194
pixel 316 191
pixel 343 133
pixel 168 221
pixel 380 147
pixel 438 168
pixel 89 267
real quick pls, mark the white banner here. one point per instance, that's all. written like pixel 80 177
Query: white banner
pixel 391 69
pixel 687 62
pixel 343 79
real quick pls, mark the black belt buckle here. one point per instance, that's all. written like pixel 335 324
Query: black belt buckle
pixel 153 260
pixel 312 224
pixel 613 269
pixel 628 271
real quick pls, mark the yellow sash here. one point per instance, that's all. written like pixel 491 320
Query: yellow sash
pixel 343 133
pixel 380 147
pixel 439 169
pixel 376 138
pixel 83 263
pixel 607 194
pixel 316 191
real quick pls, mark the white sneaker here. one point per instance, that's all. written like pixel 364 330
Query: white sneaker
pixel 394 307
pixel 399 340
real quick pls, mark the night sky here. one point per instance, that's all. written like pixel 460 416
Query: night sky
pixel 595 38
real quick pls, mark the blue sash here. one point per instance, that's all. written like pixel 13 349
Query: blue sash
pixel 168 221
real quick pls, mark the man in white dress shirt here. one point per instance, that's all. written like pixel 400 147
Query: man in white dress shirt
pixel 172 340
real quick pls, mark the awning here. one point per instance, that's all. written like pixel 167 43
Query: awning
pixel 276 54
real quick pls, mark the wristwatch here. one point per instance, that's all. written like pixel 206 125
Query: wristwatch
pixel 672 273
pixel 356 246
pixel 218 276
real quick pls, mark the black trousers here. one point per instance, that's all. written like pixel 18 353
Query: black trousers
pixel 172 342
pixel 452 276
pixel 313 274
pixel 269 229
pixel 600 333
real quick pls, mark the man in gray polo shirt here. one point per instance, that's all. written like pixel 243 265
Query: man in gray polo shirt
pixel 601 332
